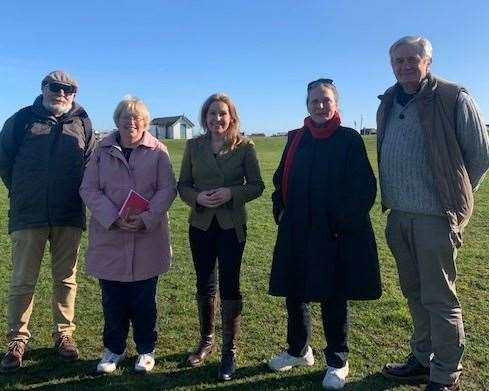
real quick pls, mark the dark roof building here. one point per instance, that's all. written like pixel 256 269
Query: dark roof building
pixel 176 127
pixel 169 121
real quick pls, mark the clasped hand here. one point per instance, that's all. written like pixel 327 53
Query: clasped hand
pixel 214 198
pixel 132 223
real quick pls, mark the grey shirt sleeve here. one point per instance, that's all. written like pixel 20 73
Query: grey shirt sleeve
pixel 473 137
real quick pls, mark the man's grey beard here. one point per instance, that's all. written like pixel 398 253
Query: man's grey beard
pixel 58 109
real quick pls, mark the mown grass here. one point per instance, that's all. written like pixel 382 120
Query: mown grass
pixel 379 331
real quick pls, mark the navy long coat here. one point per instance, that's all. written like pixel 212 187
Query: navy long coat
pixel 325 243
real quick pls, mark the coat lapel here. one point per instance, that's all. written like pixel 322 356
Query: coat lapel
pixel 114 148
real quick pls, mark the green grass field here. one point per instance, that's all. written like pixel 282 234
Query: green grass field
pixel 379 331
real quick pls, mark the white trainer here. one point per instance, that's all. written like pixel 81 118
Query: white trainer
pixel 284 361
pixel 108 362
pixel 335 378
pixel 145 362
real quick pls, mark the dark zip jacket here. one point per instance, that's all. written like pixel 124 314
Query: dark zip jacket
pixel 42 159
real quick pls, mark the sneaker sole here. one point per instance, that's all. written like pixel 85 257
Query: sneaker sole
pixel 115 369
pixel 103 372
pixel 285 369
pixel 143 370
pixel 418 379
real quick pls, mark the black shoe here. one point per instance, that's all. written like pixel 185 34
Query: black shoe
pixel 227 367
pixel 231 318
pixel 432 386
pixel 411 371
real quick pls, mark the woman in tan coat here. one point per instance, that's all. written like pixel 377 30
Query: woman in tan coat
pixel 219 174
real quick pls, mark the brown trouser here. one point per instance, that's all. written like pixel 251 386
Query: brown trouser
pixel 425 260
pixel 27 252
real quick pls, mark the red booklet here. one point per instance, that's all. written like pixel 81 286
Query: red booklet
pixel 134 204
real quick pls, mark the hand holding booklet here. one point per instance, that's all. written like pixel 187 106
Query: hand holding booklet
pixel 134 204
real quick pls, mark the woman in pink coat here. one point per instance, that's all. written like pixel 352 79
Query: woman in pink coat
pixel 128 253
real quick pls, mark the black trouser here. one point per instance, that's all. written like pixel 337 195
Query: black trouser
pixel 125 302
pixel 223 245
pixel 335 315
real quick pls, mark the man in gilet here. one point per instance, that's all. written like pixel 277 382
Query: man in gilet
pixel 433 153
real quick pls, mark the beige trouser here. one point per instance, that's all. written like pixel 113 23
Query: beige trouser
pixel 425 261
pixel 27 252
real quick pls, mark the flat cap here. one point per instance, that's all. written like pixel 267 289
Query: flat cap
pixel 61 77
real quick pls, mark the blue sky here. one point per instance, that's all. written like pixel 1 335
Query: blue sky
pixel 173 54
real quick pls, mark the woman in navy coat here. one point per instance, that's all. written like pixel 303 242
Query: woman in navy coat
pixel 325 250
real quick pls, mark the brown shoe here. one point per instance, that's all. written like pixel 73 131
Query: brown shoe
pixel 66 347
pixel 207 308
pixel 13 358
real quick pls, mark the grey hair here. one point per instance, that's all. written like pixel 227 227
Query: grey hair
pixel 132 104
pixel 422 44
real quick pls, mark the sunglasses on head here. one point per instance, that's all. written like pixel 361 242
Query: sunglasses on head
pixel 57 87
pixel 317 82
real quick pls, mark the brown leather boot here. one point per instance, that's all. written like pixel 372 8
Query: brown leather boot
pixel 66 347
pixel 13 358
pixel 207 310
pixel 231 319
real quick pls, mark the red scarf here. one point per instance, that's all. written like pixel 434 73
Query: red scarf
pixel 323 132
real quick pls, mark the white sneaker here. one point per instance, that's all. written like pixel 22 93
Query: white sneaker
pixel 335 378
pixel 284 361
pixel 145 362
pixel 109 361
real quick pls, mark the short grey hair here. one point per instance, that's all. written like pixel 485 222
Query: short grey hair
pixel 133 105
pixel 422 44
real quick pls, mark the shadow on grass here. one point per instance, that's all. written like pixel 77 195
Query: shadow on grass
pixel 43 370
pixel 312 381
pixel 44 366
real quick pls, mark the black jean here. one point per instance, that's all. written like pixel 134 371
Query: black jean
pixel 221 245
pixel 335 315
pixel 125 302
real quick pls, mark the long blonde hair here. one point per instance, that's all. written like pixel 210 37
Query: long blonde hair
pixel 233 135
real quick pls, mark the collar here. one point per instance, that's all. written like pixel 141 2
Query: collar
pixel 41 111
pixel 112 140
pixel 325 130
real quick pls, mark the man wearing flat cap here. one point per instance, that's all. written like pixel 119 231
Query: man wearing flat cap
pixel 433 151
pixel 43 152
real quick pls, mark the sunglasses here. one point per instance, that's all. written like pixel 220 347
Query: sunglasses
pixel 317 82
pixel 57 87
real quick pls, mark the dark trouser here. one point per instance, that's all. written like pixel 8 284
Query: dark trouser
pixel 223 245
pixel 335 315
pixel 125 302
pixel 425 259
